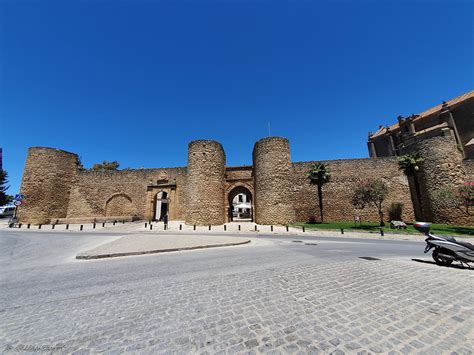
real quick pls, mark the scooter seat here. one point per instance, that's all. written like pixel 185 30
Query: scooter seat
pixel 447 237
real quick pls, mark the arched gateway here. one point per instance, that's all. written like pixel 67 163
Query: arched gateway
pixel 239 203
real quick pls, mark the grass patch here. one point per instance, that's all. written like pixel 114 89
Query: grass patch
pixel 441 229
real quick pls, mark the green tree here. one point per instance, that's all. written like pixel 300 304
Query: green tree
pixel 410 164
pixel 372 193
pixel 4 198
pixel 319 175
pixel 461 197
pixel 106 165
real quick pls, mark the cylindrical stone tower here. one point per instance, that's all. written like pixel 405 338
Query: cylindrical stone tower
pixel 47 179
pixel 441 173
pixel 205 183
pixel 273 181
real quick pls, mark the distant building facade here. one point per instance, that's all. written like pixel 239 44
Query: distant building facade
pixel 455 116
pixel 444 137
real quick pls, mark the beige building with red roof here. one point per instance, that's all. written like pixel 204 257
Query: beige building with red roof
pixel 455 116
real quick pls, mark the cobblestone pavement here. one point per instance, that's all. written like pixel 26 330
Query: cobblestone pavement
pixel 308 305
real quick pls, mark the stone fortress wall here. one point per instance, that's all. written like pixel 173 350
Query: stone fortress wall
pixel 58 189
pixel 337 194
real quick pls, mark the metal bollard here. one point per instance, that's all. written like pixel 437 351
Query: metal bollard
pixel 239 227
pixel 52 226
pixel 151 226
pixel 19 225
pixel 194 227
pixel 304 230
pixel 82 227
pixel 39 226
pixel 209 227
pixel 225 227
pixel 287 229
pixel 103 224
pixel 271 228
pixel 93 226
pixel 381 232
pixel 180 227
pixel 28 226
pixel 114 223
pixel 67 226
pixel 146 224
pixel 123 221
pixel 342 230
pixel 255 228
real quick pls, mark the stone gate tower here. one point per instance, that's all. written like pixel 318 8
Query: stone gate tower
pixel 47 180
pixel 205 204
pixel 273 181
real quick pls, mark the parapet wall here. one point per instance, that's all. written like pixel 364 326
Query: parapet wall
pixel 337 194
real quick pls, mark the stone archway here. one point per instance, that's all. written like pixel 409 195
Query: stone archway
pixel 119 205
pixel 236 209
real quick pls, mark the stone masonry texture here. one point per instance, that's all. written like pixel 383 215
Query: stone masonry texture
pixel 58 190
pixel 273 181
pixel 345 175
pixel 205 183
pixel 47 181
pixel 443 171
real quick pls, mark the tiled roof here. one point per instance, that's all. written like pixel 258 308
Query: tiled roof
pixel 452 103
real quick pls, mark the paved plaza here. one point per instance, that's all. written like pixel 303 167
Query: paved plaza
pixel 277 294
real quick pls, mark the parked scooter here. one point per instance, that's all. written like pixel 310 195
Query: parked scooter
pixel 446 249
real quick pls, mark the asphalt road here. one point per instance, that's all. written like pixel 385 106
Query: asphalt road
pixel 44 264
pixel 49 297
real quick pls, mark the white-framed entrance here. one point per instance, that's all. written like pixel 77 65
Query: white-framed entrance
pixel 161 206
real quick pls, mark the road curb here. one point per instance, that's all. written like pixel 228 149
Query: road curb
pixel 114 255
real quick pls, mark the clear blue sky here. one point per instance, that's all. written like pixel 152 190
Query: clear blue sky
pixel 135 81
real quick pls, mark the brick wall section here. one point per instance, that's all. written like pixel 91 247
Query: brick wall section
pixel 443 168
pixel 273 181
pixel 337 194
pixel 205 183
pixel 47 180
pixel 93 189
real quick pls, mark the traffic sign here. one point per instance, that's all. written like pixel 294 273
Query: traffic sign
pixel 17 203
pixel 19 197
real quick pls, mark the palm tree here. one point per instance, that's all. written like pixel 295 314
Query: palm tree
pixel 319 175
pixel 410 164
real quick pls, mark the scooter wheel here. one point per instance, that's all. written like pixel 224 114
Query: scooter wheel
pixel 440 260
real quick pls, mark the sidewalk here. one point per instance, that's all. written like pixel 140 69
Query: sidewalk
pixel 230 228
pixel 150 244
